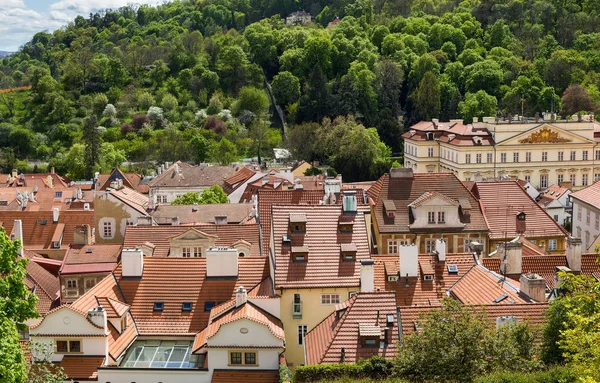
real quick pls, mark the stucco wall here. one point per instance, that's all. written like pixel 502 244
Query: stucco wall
pixel 124 375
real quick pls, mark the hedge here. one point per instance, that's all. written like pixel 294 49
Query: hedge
pixel 374 368
pixel 553 375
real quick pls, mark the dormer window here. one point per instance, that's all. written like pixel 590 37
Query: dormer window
pixel 431 216
pixel 158 306
pixel 299 254
pixel 297 223
pixel 370 335
pixel 428 278
pixel 390 208
pixel 348 252
pixel 441 217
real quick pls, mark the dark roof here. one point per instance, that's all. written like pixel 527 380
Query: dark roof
pixel 192 176
pixel 235 213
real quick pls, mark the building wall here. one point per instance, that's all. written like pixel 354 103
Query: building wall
pixel 111 209
pixel 173 192
pixel 156 375
pixel 454 242
pixel 299 171
pixel 65 297
pixel 581 227
pixel 313 312
pixel 267 359
pixel 540 241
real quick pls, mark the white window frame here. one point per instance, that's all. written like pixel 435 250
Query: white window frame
pixel 478 158
pixel 552 244
pixel 431 217
pixel 441 217
pixel 429 245
pixel 85 283
pixel 544 156
pixel 186 252
pixel 392 246
pixel 197 251
pixel 561 156
pixel 561 178
pixel 543 181
pixel 302 330
pixel 490 158
pixel 330 299
pixel 71 291
pixel 528 157
pixel 515 156
pixel 584 179
pixel 107 229
pixel 584 155
pixel 573 179
pixel 297 304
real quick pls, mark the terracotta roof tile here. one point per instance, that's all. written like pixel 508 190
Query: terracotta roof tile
pixel 159 236
pixel 192 176
pixel 81 367
pixel 322 240
pixel 230 376
pixel 341 330
pixel 423 186
pixel 118 342
pixel 247 311
pixel 503 200
pixel 45 285
pixel 205 214
pixel 589 195
pixel 237 179
pixel 81 259
pixel 543 265
pixel 481 286
pixel 131 197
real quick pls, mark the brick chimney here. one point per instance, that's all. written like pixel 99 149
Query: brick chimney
pixel 533 286
pixel 574 253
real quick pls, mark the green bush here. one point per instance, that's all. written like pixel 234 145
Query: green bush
pixel 553 375
pixel 376 367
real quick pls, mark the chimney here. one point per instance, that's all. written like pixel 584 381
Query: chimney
pixel 557 278
pixel 195 206
pixel 533 286
pixel 175 221
pixel 511 258
pixel 521 223
pixel 401 173
pixel 144 221
pixel 158 170
pixel 221 262
pixel 574 253
pixel 440 249
pixel 409 260
pixel 176 168
pixel 18 230
pixel 82 235
pixel 52 170
pixel 435 122
pixel 367 276
pixel 98 316
pixel 220 220
pixel 241 296
pixel 55 215
pixel 152 202
pixel 349 203
pixel 132 262
pixel 15 173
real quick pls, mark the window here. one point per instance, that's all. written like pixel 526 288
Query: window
pixel 186 252
pixel 561 178
pixel 489 158
pixel 71 283
pixel 578 232
pixel 198 252
pixel 441 217
pixel 249 358
pixel 528 179
pixel 596 177
pixel 302 330
pixel 58 194
pixel 107 230
pixel 208 305
pixel 543 181
pixel 598 154
pixel 552 244
pixel 579 212
pixel 235 358
pixel 556 217
pixel 186 306
pixel 528 157
pixel 502 157
pixel 515 157
pixel 584 179
pixel 159 306
pixel 588 214
pixel 161 198
pixel 431 217
pixel 429 245
pixel 584 155
pixel 330 299
pixel 597 224
pixel 429 152
pixel 161 354
pixel 544 156
pixel 561 156
pixel 467 158
pixel 89 283
pixel 68 346
pixel 573 156
pixel 392 246
pixel 297 306
pixel 478 158
pixel 573 178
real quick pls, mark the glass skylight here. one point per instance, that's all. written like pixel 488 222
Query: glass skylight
pixel 161 354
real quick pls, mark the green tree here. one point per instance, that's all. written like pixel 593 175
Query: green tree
pixel 253 99
pixel 111 157
pixel 478 104
pixel 213 195
pixel 75 162
pixel 92 139
pixel 224 152
pixel 17 305
pixel 189 198
pixel 577 99
pixel 427 97
pixel 286 88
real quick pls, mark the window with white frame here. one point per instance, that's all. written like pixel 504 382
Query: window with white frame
pixel 441 217
pixel 330 299
pixel 573 179
pixel 527 178
pixel 72 288
pixel 598 154
pixel 478 158
pixel 561 156
pixel 552 244
pixel 197 252
pixel 578 232
pixel 89 282
pixel 544 181
pixel 392 246
pixel 161 198
pixel 502 157
pixel 588 215
pixel 302 330
pixel 186 252
pixel 528 157
pixel 544 156
pixel 431 216
pixel 107 229
pixel 489 158
pixel 429 245
pixel 584 179
pixel 573 155
pixel 429 152
pixel 516 157
pixel 561 178
pixel 584 155
pixel 579 212
pixel 467 158
pixel 297 305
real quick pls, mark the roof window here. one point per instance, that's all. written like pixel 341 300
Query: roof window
pixel 159 306
pixel 186 306
pixel 452 269
pixel 209 305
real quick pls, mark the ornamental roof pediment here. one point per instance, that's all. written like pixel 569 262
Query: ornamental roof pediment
pixel 545 134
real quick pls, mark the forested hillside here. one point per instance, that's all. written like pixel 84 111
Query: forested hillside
pixel 185 80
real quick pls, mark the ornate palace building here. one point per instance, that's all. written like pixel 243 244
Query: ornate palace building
pixel 540 151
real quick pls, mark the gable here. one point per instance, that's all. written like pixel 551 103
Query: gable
pixel 438 201
pixel 545 134
pixel 192 235
pixel 65 321
pixel 244 333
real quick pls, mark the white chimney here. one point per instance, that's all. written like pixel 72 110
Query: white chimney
pixel 132 262
pixel 221 262
pixel 574 253
pixel 55 214
pixel 511 258
pixel 195 206
pixel 241 296
pixel 79 193
pixel 152 202
pixel 367 276
pixel 176 168
pixel 440 249
pixel 98 316
pixel 175 221
pixel 409 261
pixel 18 230
pixel 533 286
pixel 475 119
pixel 159 170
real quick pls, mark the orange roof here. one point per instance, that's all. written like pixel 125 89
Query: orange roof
pixel 136 200
pixel 481 286
pixel 80 367
pixel 503 200
pixel 229 376
pixel 81 259
pixel 234 181
pixel 415 291
pixel 543 265
pixel 204 214
pixel 340 330
pixel 187 282
pixel 589 195
pixel 422 186
pixel 531 313
pixel 45 285
pixel 160 235
pixel 322 240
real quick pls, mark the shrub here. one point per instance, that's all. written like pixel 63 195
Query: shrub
pixel 127 128
pixel 216 125
pixel 139 120
pixel 317 373
pixel 553 375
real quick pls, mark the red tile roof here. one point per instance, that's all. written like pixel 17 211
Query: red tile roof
pixel 404 191
pixel 589 195
pixel 136 200
pixel 80 367
pixel 503 200
pixel 480 286
pixel 44 284
pixel 193 176
pixel 322 239
pixel 340 330
pixel 237 179
pixel 80 259
pixel 159 236
pixel 420 292
pixel 230 376
pixel 543 265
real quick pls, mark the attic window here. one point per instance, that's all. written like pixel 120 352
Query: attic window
pixel 208 306
pixel 369 335
pixel 428 278
pixel 298 222
pixel 44 222
pixel 390 208
pixel 286 239
pixel 186 306
pixel 3 203
pixel 58 194
pixel 299 254
pixel 348 252
pixel 159 306
pixel 452 269
pixel 88 250
pixel 390 320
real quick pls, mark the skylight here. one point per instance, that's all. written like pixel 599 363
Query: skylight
pixel 158 306
pixel 160 354
pixel 186 306
pixel 452 269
